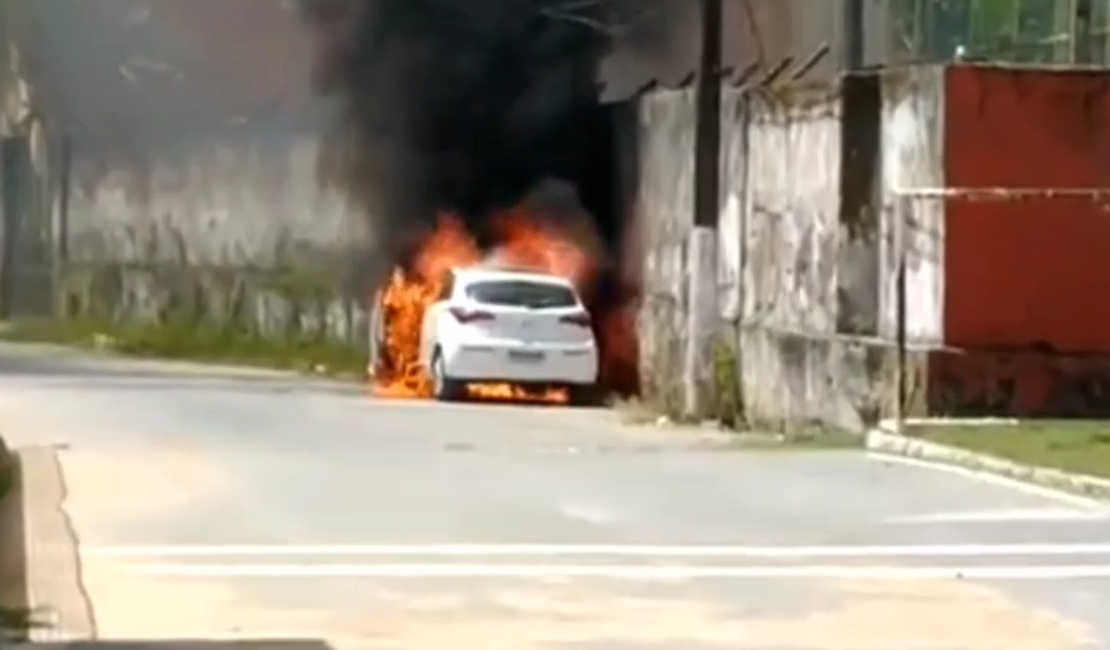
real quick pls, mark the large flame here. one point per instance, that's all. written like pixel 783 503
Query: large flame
pixel 403 301
pixel 523 242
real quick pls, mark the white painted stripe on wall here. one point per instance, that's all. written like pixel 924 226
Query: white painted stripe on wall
pixel 616 572
pixel 598 550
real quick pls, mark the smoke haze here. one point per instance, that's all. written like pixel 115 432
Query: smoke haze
pixel 462 105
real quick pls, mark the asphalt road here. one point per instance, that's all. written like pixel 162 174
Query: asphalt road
pixel 214 504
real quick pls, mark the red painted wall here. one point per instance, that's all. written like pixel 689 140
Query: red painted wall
pixel 1029 270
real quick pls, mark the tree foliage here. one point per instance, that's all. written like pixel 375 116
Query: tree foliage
pixel 1016 31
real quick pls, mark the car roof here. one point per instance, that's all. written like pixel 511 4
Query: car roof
pixel 469 275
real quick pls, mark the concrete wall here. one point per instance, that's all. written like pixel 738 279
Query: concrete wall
pixel 913 139
pixel 793 256
pixel 790 239
pixel 235 226
pixel 792 371
pixel 235 200
pixel 193 188
pixel 664 208
pixel 732 219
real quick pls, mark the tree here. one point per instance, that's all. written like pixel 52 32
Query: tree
pixel 1034 31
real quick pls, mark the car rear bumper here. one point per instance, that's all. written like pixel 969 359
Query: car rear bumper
pixel 497 361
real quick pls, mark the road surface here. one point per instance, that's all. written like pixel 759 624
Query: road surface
pixel 210 504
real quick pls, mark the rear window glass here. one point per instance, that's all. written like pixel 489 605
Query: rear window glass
pixel 517 293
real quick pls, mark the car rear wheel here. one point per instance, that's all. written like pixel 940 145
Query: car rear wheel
pixel 444 388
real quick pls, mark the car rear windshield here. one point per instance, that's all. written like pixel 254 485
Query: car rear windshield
pixel 521 293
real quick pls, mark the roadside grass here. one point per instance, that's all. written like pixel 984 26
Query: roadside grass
pixel 15 623
pixel 1080 446
pixel 194 342
pixel 645 413
pixel 822 440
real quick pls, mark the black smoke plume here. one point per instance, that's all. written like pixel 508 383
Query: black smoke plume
pixel 459 105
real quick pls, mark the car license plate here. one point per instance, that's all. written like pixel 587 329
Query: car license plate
pixel 528 356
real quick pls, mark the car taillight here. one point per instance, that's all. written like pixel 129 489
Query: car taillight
pixel 466 316
pixel 581 320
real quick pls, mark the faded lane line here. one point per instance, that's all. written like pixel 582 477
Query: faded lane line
pixel 598 550
pixel 615 572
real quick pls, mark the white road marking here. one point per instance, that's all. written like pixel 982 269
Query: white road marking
pixel 1004 515
pixel 597 550
pixel 1032 489
pixel 619 572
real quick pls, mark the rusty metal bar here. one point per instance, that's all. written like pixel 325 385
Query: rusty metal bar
pixel 1004 193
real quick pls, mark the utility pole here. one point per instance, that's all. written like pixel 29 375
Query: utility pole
pixel 853 30
pixel 1082 53
pixel 702 248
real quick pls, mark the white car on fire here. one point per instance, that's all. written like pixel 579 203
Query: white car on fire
pixel 495 326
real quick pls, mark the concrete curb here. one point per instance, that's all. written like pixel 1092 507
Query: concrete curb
pixel 888 442
pixel 55 594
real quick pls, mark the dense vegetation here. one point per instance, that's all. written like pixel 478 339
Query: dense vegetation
pixel 1014 31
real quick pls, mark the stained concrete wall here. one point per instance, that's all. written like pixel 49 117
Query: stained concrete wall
pixel 193 186
pixel 913 135
pixel 234 200
pixel 232 227
pixel 788 238
pixel 664 208
pixel 794 372
pixel 732 219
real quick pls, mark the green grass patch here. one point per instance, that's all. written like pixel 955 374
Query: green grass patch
pixel 195 342
pixel 1073 446
pixel 15 623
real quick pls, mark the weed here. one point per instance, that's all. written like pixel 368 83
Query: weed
pixel 189 340
pixel 728 403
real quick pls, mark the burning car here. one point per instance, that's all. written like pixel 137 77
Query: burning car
pixel 508 328
pixel 507 323
pixel 512 320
